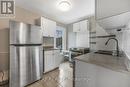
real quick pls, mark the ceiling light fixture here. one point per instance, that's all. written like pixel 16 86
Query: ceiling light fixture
pixel 64 5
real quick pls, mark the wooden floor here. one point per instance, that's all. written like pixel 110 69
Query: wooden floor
pixel 62 77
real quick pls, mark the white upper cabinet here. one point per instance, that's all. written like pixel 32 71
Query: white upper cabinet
pixel 48 27
pixel 84 26
pixel 76 27
pixel 81 26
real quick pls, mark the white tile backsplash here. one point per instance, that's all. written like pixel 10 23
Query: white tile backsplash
pixel 126 42
pixel 101 41
pixel 123 38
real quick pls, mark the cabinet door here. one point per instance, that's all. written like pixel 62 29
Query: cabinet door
pixel 76 27
pixel 51 28
pixel 48 26
pixel 58 58
pixel 44 25
pixel 84 26
pixel 48 58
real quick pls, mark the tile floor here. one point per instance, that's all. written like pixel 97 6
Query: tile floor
pixel 62 77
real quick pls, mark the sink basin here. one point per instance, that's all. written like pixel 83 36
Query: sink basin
pixel 104 52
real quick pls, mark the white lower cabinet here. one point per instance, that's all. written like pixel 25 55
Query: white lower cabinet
pixel 52 60
pixel 48 60
pixel 58 58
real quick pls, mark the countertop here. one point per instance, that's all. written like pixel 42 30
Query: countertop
pixel 48 49
pixel 107 61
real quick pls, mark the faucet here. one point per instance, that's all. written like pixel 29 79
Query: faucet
pixel 117 47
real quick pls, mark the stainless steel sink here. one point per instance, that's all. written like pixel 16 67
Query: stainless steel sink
pixel 104 52
pixel 113 53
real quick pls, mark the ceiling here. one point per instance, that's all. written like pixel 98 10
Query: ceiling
pixel 113 14
pixel 115 22
pixel 108 8
pixel 48 8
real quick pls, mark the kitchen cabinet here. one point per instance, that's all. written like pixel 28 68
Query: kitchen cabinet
pixel 48 61
pixel 82 26
pixel 47 25
pixel 76 27
pixel 52 60
pixel 58 58
pixel 82 33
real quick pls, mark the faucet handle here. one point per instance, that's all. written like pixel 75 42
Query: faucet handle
pixel 114 52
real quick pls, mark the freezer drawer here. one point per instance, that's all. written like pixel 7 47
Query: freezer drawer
pixel 26 65
pixel 21 33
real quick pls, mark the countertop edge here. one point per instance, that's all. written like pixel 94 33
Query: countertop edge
pixel 102 65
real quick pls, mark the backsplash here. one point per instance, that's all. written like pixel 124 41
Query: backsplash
pixel 123 37
pixel 112 44
pixel 126 42
pixel 101 41
pixel 48 41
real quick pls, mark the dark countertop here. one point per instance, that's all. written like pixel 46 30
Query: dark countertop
pixel 107 61
pixel 48 49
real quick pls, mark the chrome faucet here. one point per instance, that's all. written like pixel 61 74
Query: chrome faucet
pixel 117 47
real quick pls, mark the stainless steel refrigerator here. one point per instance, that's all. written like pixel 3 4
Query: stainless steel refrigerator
pixel 26 61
